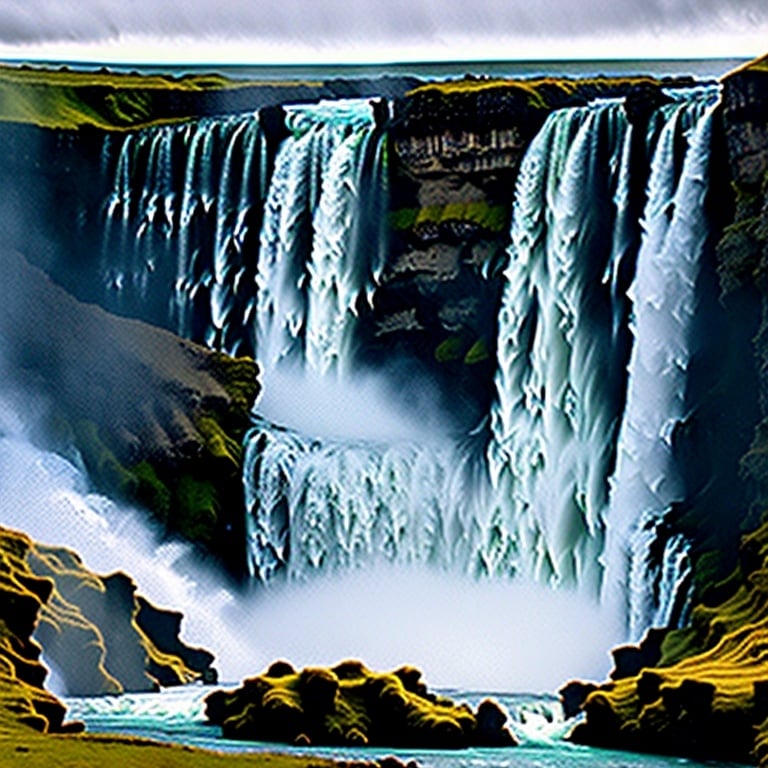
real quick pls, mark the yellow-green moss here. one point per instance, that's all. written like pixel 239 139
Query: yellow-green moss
pixel 449 349
pixel 347 705
pixel 535 89
pixel 700 699
pixel 67 99
pixel 151 491
pixel 198 508
pixel 218 443
pixel 102 464
pixel 493 218
pixel 477 352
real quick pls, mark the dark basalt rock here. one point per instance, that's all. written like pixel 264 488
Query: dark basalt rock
pixel 573 695
pixel 642 100
pixel 628 660
pixel 705 696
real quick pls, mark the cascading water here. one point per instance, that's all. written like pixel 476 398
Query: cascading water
pixel 565 396
pixel 181 227
pixel 666 296
pixel 560 363
pixel 340 504
pixel 579 470
pixel 323 243
pixel 313 502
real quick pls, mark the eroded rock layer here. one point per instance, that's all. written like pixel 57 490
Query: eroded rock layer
pixel 23 701
pixel 705 695
pixel 99 634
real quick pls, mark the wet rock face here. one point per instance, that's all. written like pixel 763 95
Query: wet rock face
pixel 743 249
pixel 102 637
pixel 349 705
pixel 745 105
pixel 23 701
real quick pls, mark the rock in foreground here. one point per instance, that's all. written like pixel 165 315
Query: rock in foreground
pixel 706 696
pixel 349 705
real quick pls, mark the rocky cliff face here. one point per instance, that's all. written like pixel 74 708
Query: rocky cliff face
pixel 23 701
pixel 455 149
pixel 743 250
pixel 705 696
pixel 157 420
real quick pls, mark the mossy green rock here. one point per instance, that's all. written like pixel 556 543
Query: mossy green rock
pixel 706 695
pixel 349 705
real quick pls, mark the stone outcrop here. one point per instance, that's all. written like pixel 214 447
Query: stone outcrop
pixel 104 638
pixel 157 420
pixel 99 634
pixel 23 700
pixel 705 697
pixel 349 705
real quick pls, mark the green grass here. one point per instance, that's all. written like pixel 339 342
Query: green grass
pixel 65 99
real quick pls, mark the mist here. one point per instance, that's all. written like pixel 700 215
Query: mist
pixel 477 635
pixel 363 407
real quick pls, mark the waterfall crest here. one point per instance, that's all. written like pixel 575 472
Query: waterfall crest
pixel 323 243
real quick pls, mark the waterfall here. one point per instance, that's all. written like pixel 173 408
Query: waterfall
pixel 573 481
pixel 572 502
pixel 560 368
pixel 341 504
pixel 666 295
pixel 181 228
pixel 323 243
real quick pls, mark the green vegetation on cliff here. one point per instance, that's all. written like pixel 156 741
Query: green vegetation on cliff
pixel 157 420
pixel 67 99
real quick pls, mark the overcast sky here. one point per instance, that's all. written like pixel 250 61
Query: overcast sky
pixel 380 30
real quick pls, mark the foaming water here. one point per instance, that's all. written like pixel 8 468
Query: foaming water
pixel 48 497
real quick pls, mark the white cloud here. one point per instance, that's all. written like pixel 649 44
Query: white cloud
pixel 385 29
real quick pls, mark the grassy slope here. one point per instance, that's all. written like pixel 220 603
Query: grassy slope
pixel 69 100
pixel 31 750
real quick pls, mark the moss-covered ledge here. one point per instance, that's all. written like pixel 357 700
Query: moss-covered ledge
pixel 156 420
pixel 706 696
pixel 350 705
